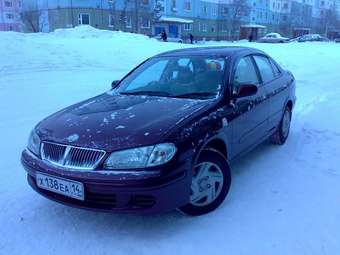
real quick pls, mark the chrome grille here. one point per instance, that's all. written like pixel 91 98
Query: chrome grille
pixel 70 156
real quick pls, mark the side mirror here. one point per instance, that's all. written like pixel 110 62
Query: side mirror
pixel 246 90
pixel 114 84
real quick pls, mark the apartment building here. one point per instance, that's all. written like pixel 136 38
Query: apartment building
pixel 10 15
pixel 205 19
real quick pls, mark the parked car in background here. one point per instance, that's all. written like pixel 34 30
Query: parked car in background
pixel 273 38
pixel 337 40
pixel 164 136
pixel 312 38
pixel 169 39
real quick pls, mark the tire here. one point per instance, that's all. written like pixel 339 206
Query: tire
pixel 282 133
pixel 210 183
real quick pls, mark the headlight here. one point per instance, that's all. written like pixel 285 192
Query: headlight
pixel 34 143
pixel 141 157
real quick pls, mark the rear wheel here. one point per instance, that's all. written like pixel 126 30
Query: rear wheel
pixel 282 133
pixel 210 183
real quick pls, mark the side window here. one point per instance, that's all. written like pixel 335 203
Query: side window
pixel 245 73
pixel 276 69
pixel 186 62
pixel 265 68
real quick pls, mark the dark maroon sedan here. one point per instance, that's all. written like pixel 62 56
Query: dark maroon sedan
pixel 164 136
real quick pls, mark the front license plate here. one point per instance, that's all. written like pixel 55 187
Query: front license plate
pixel 60 185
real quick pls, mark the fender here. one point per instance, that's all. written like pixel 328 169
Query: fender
pixel 202 144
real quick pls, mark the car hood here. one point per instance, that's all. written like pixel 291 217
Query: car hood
pixel 114 122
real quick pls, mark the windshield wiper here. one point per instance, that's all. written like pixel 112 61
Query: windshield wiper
pixel 148 93
pixel 197 95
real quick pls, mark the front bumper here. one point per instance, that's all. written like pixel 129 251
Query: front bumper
pixel 161 190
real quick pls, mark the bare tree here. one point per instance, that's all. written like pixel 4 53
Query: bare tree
pixel 240 9
pixel 31 20
pixel 157 11
pixel 123 16
pixel 286 25
pixel 137 21
pixel 112 7
pixel 329 19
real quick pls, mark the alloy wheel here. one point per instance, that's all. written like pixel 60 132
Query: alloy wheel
pixel 207 183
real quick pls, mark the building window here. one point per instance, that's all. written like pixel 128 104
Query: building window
pixel 213 29
pixel 145 23
pixel 84 19
pixel 285 6
pixel 205 9
pixel 187 6
pixel 111 21
pixel 128 22
pixel 214 11
pixel 225 11
pixel 224 27
pixel 173 5
pixel 8 4
pixel 187 27
pixel 9 16
pixel 145 2
pixel 203 27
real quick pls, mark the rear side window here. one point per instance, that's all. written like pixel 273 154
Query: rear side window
pixel 265 68
pixel 245 73
pixel 276 69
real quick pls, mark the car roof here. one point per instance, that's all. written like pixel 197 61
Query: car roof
pixel 224 51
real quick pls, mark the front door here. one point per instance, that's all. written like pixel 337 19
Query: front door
pixel 250 124
pixel 158 30
pixel 173 31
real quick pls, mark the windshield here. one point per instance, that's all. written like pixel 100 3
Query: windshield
pixel 192 77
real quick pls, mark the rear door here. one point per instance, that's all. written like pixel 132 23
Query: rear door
pixel 250 121
pixel 275 84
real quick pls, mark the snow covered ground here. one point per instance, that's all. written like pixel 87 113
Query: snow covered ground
pixel 283 200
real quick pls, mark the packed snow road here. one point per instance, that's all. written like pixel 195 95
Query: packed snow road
pixel 283 200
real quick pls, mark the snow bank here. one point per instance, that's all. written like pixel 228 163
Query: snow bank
pixel 81 47
pixel 86 32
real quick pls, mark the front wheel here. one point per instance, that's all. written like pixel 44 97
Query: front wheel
pixel 210 183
